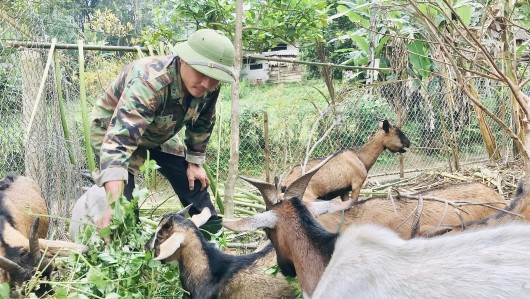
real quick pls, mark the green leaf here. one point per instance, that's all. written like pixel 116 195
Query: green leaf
pixel 353 16
pixel 97 278
pixel 465 12
pixel 112 296
pixel 4 290
pixel 418 59
pixel 361 42
pixel 105 232
pixel 106 257
pixel 522 48
pixel 429 10
pixel 382 43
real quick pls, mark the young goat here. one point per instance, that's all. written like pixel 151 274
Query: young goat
pixel 347 169
pixel 471 201
pixel 206 272
pixel 370 261
pixel 20 256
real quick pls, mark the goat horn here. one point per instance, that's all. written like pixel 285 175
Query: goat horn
pixel 34 239
pixel 184 210
pixel 11 267
pixel 416 221
pixel 202 217
pixel 329 206
pixel 297 188
pixel 61 248
pixel 252 223
pixel 268 191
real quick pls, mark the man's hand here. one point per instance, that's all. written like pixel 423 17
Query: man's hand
pixel 113 189
pixel 197 172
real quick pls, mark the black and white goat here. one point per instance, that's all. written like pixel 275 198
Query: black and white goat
pixel 370 261
pixel 206 272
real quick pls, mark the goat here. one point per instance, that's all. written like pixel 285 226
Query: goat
pixel 517 210
pixel 370 261
pixel 470 201
pixel 21 236
pixel 347 169
pixel 205 272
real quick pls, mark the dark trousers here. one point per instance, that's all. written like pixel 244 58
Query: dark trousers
pixel 173 168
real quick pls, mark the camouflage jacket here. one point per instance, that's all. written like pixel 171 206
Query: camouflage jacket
pixel 144 108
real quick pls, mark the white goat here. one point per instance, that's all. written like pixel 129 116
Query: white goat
pixel 370 261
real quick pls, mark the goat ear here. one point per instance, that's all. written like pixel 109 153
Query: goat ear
pixel 170 246
pixel 185 210
pixel 384 125
pixel 201 218
pixel 268 191
pixel 329 206
pixel 265 219
pixel 297 188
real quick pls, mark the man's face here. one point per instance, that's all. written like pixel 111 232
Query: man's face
pixel 195 82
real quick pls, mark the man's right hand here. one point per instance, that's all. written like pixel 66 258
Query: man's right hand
pixel 114 189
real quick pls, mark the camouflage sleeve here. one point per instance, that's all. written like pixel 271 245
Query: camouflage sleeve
pixel 131 117
pixel 198 132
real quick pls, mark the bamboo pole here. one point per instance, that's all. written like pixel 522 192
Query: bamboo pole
pixel 18 44
pixel 39 93
pixel 215 190
pixel 61 108
pixel 84 109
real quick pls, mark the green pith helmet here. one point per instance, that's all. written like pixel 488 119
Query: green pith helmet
pixel 210 53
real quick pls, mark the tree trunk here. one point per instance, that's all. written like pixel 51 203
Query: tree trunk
pixel 233 169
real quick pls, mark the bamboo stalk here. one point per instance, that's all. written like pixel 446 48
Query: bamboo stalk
pixel 61 108
pixel 84 109
pixel 244 211
pixel 39 93
pixel 17 44
pixel 213 187
pixel 250 205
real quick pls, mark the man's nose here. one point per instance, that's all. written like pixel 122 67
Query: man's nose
pixel 209 82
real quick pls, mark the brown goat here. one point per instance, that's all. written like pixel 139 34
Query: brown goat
pixel 20 244
pixel 448 206
pixel 347 169
pixel 443 207
pixel 517 210
pixel 206 272
pixel 15 206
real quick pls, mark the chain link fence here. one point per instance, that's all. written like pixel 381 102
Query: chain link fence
pixel 441 124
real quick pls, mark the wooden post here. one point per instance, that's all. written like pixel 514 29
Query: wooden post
pixel 31 67
pixel 267 152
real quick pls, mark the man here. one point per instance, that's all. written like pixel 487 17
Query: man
pixel 147 105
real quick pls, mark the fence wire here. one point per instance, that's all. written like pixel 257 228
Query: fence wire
pixel 441 124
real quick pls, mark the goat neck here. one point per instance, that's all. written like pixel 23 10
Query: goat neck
pixel 193 264
pixel 371 150
pixel 303 246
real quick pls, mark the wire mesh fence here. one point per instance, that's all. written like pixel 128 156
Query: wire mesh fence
pixel 441 124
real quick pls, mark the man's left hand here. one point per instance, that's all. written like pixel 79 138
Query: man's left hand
pixel 197 172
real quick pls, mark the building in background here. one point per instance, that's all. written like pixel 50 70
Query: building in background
pixel 257 71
